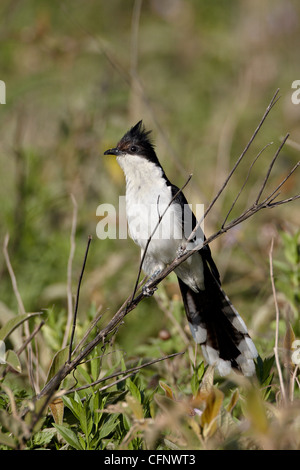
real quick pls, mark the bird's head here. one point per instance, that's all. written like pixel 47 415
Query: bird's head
pixel 135 142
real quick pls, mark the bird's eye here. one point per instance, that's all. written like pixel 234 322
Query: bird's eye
pixel 133 148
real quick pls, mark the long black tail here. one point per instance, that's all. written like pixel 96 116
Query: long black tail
pixel 217 326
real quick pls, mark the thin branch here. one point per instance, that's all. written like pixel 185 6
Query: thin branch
pixel 284 180
pixel 270 168
pixel 21 310
pixel 12 276
pixel 91 327
pixel 272 103
pixel 270 106
pixel 69 272
pixel 277 324
pixel 131 371
pixel 292 144
pixel 285 201
pixel 24 345
pixel 292 382
pixel 77 297
pixel 32 335
pixel 245 182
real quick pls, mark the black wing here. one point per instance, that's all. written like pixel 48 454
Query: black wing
pixel 179 198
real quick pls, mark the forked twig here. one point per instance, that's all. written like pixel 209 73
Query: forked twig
pixel 270 169
pixel 272 103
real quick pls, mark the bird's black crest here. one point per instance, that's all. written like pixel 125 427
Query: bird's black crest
pixel 138 135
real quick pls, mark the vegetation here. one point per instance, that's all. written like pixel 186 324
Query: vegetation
pixel 78 75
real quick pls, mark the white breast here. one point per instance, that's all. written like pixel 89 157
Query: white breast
pixel 147 199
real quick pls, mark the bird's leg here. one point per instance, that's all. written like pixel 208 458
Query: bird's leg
pixel 149 291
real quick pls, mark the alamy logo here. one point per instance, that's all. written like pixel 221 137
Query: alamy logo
pixel 2 92
pixel 296 94
pixel 157 221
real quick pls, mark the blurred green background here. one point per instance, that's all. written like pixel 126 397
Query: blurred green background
pixel 200 74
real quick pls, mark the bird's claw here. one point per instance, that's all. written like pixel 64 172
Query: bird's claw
pixel 148 291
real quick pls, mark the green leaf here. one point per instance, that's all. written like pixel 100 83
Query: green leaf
pixel 94 407
pixel 13 323
pixel 44 437
pixel 263 368
pixel 58 361
pixel 73 406
pixel 69 436
pixel 108 427
pixel 86 422
pixel 7 440
pixel 134 390
pixel 96 364
pixel 12 360
pixel 196 378
pixel 85 375
pixel 195 383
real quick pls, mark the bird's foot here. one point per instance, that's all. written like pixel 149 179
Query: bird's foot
pixel 146 289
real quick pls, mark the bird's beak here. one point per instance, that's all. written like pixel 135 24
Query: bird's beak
pixel 114 151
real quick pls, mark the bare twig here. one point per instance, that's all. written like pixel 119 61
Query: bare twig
pixel 282 388
pixel 24 345
pixel 245 182
pixel 77 297
pixel 270 169
pixel 272 103
pixel 130 372
pixel 91 327
pixel 282 183
pixel 12 276
pixel 270 106
pixel 292 382
pixel 69 272
pixel 21 310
